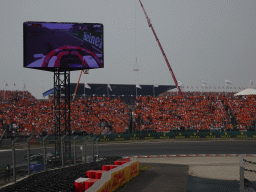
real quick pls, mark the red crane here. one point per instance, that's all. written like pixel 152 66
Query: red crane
pixel 86 71
pixel 167 62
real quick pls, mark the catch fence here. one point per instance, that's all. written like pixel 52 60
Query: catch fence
pixel 26 156
pixel 247 173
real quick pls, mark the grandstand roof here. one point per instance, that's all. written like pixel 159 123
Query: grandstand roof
pixel 247 92
pixel 117 89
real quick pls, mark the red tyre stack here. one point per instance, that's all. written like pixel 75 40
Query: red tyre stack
pixel 80 184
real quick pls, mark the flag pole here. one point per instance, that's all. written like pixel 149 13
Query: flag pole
pixel 136 91
pixel 84 89
pixel 153 90
pixel 23 89
pixel 42 86
pixel 4 91
pixel 107 91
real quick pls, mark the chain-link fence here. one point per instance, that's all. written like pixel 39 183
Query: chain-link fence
pixel 25 156
pixel 247 173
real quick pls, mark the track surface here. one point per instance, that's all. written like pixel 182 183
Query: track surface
pixel 176 147
pixel 151 148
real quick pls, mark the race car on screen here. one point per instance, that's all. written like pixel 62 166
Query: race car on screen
pixel 68 56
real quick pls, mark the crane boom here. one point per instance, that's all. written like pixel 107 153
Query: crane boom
pixel 85 72
pixel 167 62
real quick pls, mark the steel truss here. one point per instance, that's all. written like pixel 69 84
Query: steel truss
pixel 62 111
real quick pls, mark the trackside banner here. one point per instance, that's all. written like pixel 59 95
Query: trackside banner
pixel 177 135
pixel 113 179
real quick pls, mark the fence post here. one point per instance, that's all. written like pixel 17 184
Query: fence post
pixel 241 165
pixel 28 153
pixel 44 138
pixel 92 150
pixel 84 151
pixel 14 160
pixel 62 150
pixel 82 148
pixel 97 150
pixel 75 149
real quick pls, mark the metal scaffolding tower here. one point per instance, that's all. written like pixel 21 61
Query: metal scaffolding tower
pixel 62 111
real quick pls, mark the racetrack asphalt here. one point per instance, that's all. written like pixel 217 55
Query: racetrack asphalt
pixel 175 178
pixel 188 174
pixel 160 177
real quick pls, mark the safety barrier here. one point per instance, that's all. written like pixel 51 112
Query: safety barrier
pixel 163 135
pixel 176 135
pixel 116 177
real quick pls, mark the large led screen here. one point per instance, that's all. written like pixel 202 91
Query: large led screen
pixel 63 46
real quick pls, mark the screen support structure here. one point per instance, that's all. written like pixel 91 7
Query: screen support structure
pixel 62 111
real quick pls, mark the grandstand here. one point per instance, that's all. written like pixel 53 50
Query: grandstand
pixel 23 114
pixel 125 90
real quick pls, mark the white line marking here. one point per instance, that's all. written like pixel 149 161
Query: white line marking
pixel 97 49
pixel 76 37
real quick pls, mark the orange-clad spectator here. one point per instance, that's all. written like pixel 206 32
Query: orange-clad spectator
pixel 197 110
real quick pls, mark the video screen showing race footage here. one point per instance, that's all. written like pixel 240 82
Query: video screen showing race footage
pixel 63 46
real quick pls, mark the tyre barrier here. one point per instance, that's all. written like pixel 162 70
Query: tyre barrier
pixel 57 180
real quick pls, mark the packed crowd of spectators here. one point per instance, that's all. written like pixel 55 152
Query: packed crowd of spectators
pixel 99 115
pixel 91 114
pixel 15 110
pixel 196 110
pixel 16 95
pixel 244 110
pixel 193 111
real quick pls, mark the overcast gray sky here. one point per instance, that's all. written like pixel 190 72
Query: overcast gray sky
pixel 211 40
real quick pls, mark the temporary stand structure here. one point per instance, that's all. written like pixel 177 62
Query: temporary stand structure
pixel 246 92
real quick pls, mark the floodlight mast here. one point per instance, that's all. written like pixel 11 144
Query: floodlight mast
pixel 167 62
